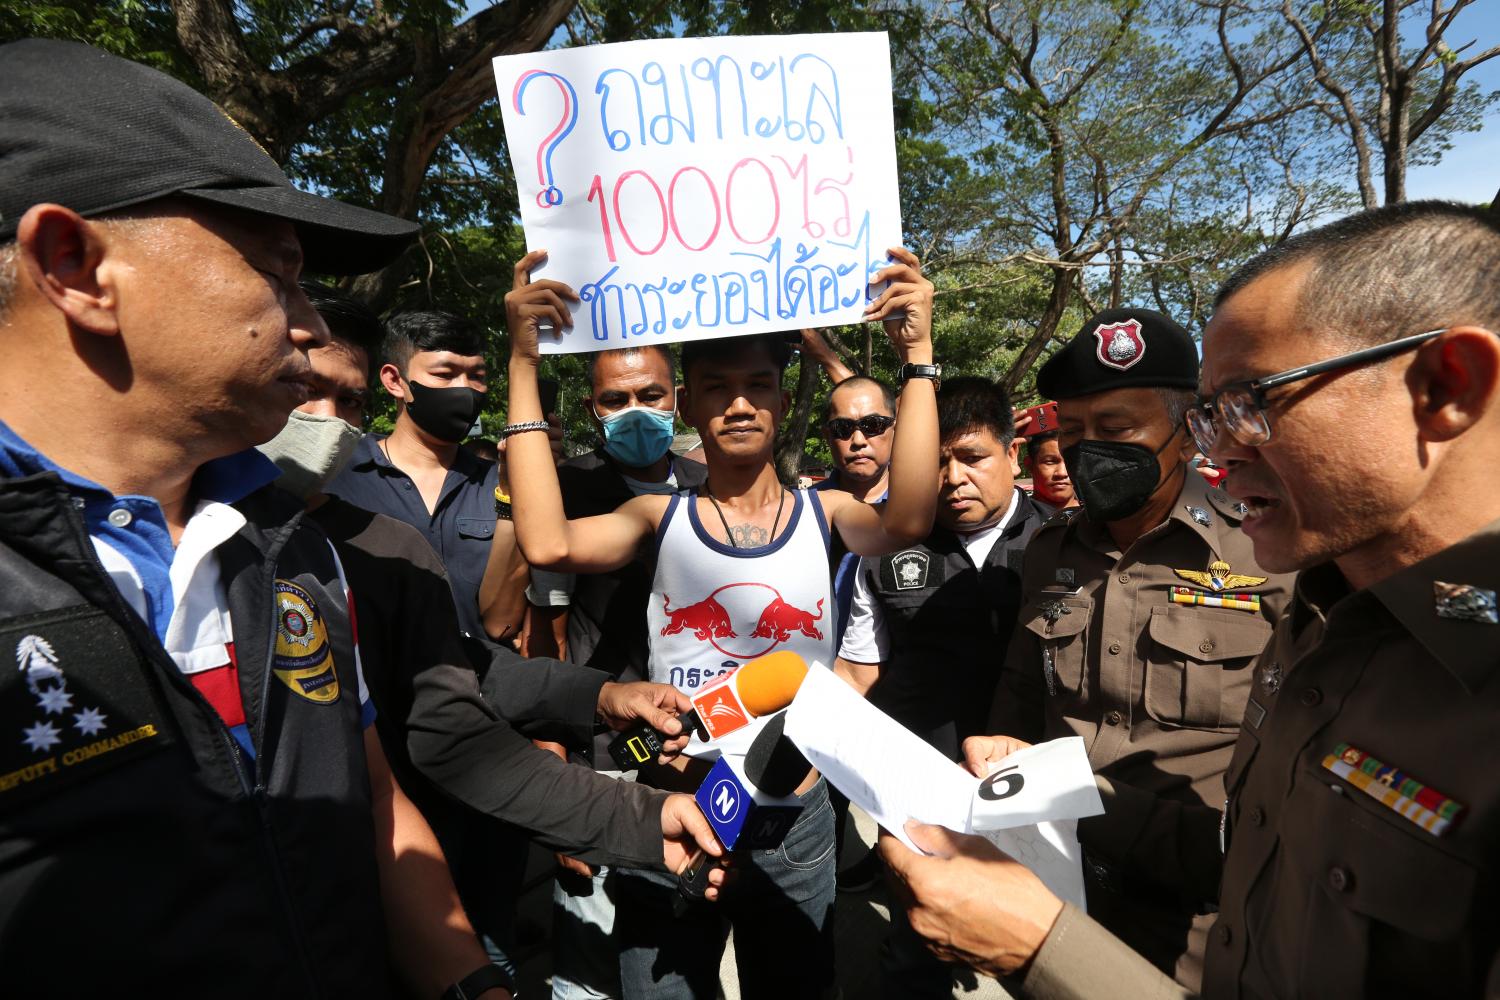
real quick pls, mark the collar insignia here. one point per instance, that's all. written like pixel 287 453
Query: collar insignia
pixel 1465 602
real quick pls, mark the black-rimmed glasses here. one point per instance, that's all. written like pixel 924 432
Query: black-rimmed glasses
pixel 870 425
pixel 1242 406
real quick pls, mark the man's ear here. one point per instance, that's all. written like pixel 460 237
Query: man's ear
pixel 786 405
pixel 1188 448
pixel 684 405
pixel 1455 382
pixel 1013 452
pixel 390 379
pixel 74 266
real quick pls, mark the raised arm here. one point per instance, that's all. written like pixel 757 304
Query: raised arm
pixel 816 348
pixel 906 516
pixel 546 536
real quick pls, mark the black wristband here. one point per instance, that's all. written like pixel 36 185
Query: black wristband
pixel 486 977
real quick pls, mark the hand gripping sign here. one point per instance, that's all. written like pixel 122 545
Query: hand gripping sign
pixel 702 187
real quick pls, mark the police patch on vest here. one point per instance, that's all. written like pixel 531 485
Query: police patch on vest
pixel 76 703
pixel 909 569
pixel 303 659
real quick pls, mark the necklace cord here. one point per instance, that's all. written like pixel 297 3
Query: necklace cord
pixel 728 534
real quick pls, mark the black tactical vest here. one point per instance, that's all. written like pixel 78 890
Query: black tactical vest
pixel 948 623
pixel 176 865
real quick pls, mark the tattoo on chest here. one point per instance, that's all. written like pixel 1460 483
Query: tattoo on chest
pixel 748 536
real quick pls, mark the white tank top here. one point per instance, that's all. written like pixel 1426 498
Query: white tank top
pixel 713 607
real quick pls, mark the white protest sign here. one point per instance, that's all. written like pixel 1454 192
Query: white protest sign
pixel 705 187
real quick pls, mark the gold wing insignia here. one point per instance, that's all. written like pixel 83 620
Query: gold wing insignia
pixel 1194 576
pixel 1219 577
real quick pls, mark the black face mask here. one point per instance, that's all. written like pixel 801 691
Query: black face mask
pixel 1113 479
pixel 447 413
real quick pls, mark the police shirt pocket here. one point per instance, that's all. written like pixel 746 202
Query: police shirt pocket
pixel 1198 671
pixel 1060 625
pixel 1366 876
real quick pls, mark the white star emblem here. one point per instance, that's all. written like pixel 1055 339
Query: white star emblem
pixel 41 737
pixel 89 721
pixel 55 700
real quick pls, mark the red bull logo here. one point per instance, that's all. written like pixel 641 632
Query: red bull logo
pixel 781 619
pixel 726 615
pixel 707 619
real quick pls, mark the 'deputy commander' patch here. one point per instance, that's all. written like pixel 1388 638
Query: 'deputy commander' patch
pixel 74 702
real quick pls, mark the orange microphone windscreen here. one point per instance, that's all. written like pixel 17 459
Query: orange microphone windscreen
pixel 768 684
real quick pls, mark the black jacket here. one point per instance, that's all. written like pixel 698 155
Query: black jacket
pixel 149 858
pixel 449 749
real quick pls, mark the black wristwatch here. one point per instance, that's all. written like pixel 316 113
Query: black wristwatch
pixel 909 371
pixel 486 977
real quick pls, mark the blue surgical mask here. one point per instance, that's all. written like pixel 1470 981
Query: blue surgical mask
pixel 637 436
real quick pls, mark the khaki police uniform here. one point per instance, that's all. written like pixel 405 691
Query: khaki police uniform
pixel 1364 809
pixel 1128 651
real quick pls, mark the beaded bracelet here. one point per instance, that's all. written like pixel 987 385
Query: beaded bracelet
pixel 502 504
pixel 510 430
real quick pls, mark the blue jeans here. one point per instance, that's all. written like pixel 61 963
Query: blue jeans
pixel 585 959
pixel 780 905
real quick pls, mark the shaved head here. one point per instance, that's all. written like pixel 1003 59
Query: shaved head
pixel 1391 272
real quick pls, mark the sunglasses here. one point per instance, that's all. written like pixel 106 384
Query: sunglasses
pixel 1240 409
pixel 872 425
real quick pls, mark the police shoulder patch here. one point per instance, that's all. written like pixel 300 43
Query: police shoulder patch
pixel 303 660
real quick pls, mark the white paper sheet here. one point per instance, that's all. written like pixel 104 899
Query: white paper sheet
pixel 1028 807
pixel 874 760
pixel 1052 853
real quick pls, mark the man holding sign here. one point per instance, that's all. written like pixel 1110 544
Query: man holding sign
pixel 743 521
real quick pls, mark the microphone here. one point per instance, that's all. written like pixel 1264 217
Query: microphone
pixel 754 812
pixel 765 685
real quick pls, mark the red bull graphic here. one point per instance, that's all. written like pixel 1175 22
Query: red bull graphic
pixel 781 619
pixel 707 619
pixel 727 614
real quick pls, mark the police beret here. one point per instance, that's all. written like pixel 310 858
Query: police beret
pixel 1119 349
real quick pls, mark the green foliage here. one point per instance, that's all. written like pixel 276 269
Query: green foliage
pixel 1014 166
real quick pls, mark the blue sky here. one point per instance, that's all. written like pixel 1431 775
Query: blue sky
pixel 1471 169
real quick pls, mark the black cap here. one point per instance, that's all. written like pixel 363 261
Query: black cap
pixel 1119 349
pixel 96 133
